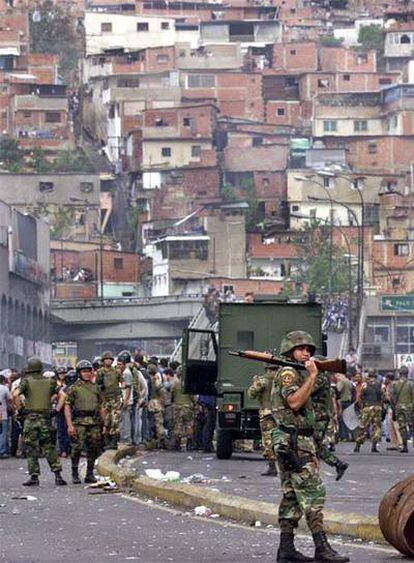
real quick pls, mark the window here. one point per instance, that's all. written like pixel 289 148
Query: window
pixel 384 81
pixel 327 182
pixel 330 126
pixel 280 111
pixel 312 213
pixel 86 187
pixel 163 58
pixel 142 26
pixel 188 250
pixel 106 27
pixel 405 39
pixel 293 52
pixel 395 121
pixel 111 111
pixel 46 187
pixel 165 25
pixel 118 263
pixel 295 207
pixel 323 83
pixel 257 141
pixel 128 83
pixel 372 148
pixel 166 151
pixel 361 126
pixel 378 332
pixel 187 121
pixel 201 81
pixel 159 122
pixel 401 249
pixel 27 114
pixel 347 77
pixel 52 117
pixel 265 183
pixel 196 151
pixel 362 58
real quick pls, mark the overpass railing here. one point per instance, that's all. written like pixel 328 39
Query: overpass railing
pixel 123 301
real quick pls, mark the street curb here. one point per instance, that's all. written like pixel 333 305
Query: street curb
pixel 230 506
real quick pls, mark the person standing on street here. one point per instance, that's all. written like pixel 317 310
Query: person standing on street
pixel 403 405
pixel 5 406
pixel 260 389
pixel 108 380
pixel 323 406
pixel 344 387
pixel 183 415
pixel 292 439
pixel 370 402
pixel 127 400
pixel 156 405
pixel 39 393
pixel 83 413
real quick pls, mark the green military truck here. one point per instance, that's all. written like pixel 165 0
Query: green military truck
pixel 208 369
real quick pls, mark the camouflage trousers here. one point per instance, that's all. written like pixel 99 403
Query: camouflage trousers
pixel 405 420
pixel 303 494
pixel 323 453
pixel 183 424
pixel 157 412
pixel 88 438
pixel 370 416
pixel 38 438
pixel 112 410
pixel 267 424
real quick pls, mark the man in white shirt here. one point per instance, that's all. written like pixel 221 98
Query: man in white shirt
pixel 5 404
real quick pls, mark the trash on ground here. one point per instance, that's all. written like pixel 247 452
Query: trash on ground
pixel 258 524
pixel 25 497
pixel 196 478
pixel 203 511
pixel 169 476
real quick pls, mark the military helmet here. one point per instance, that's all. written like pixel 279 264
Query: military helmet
pixel 294 339
pixel 61 369
pixel 83 364
pixel 97 362
pixel 71 377
pixel 124 357
pixel 34 365
pixel 107 356
pixel 403 370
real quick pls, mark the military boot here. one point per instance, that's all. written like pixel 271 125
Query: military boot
pixel 357 448
pixel 404 449
pixel 271 470
pixel 33 481
pixel 324 552
pixel 341 467
pixel 75 475
pixel 90 477
pixel 287 553
pixel 59 479
pixel 374 449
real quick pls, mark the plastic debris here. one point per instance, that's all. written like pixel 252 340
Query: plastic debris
pixel 170 476
pixel 195 478
pixel 257 524
pixel 203 511
pixel 25 497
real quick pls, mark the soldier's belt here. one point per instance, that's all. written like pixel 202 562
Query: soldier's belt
pixel 78 414
pixel 297 431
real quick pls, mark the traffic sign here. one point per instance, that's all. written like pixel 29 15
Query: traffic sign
pixel 397 303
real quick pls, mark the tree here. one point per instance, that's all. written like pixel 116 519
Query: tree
pixel 52 31
pixel 38 161
pixel 11 155
pixel 72 161
pixel 331 41
pixel 314 250
pixel 372 37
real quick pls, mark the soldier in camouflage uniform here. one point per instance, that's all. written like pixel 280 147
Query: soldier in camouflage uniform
pixel 371 401
pixel 82 411
pixel 295 448
pixel 108 380
pixel 39 392
pixel 156 404
pixel 183 415
pixel 261 389
pixel 322 405
pixel 403 405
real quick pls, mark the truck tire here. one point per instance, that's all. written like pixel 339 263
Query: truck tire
pixel 224 447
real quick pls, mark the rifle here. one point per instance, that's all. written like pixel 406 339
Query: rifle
pixel 333 366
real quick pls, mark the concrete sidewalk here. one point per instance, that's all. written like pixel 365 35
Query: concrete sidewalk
pixel 246 496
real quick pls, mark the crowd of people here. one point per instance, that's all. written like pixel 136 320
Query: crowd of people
pixel 335 314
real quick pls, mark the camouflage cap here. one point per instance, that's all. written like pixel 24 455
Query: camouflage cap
pixel 107 356
pixel 294 339
pixel 34 365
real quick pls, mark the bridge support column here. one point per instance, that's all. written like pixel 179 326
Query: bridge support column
pixel 86 349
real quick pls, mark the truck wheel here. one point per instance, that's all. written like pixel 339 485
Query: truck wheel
pixel 224 447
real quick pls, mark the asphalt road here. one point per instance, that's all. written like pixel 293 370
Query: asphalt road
pixel 70 524
pixel 360 490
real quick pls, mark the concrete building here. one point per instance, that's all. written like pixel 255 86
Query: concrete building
pixel 24 288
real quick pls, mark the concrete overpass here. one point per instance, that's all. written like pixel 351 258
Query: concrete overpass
pixel 87 321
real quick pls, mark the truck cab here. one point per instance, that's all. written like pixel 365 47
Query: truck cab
pixel 208 369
